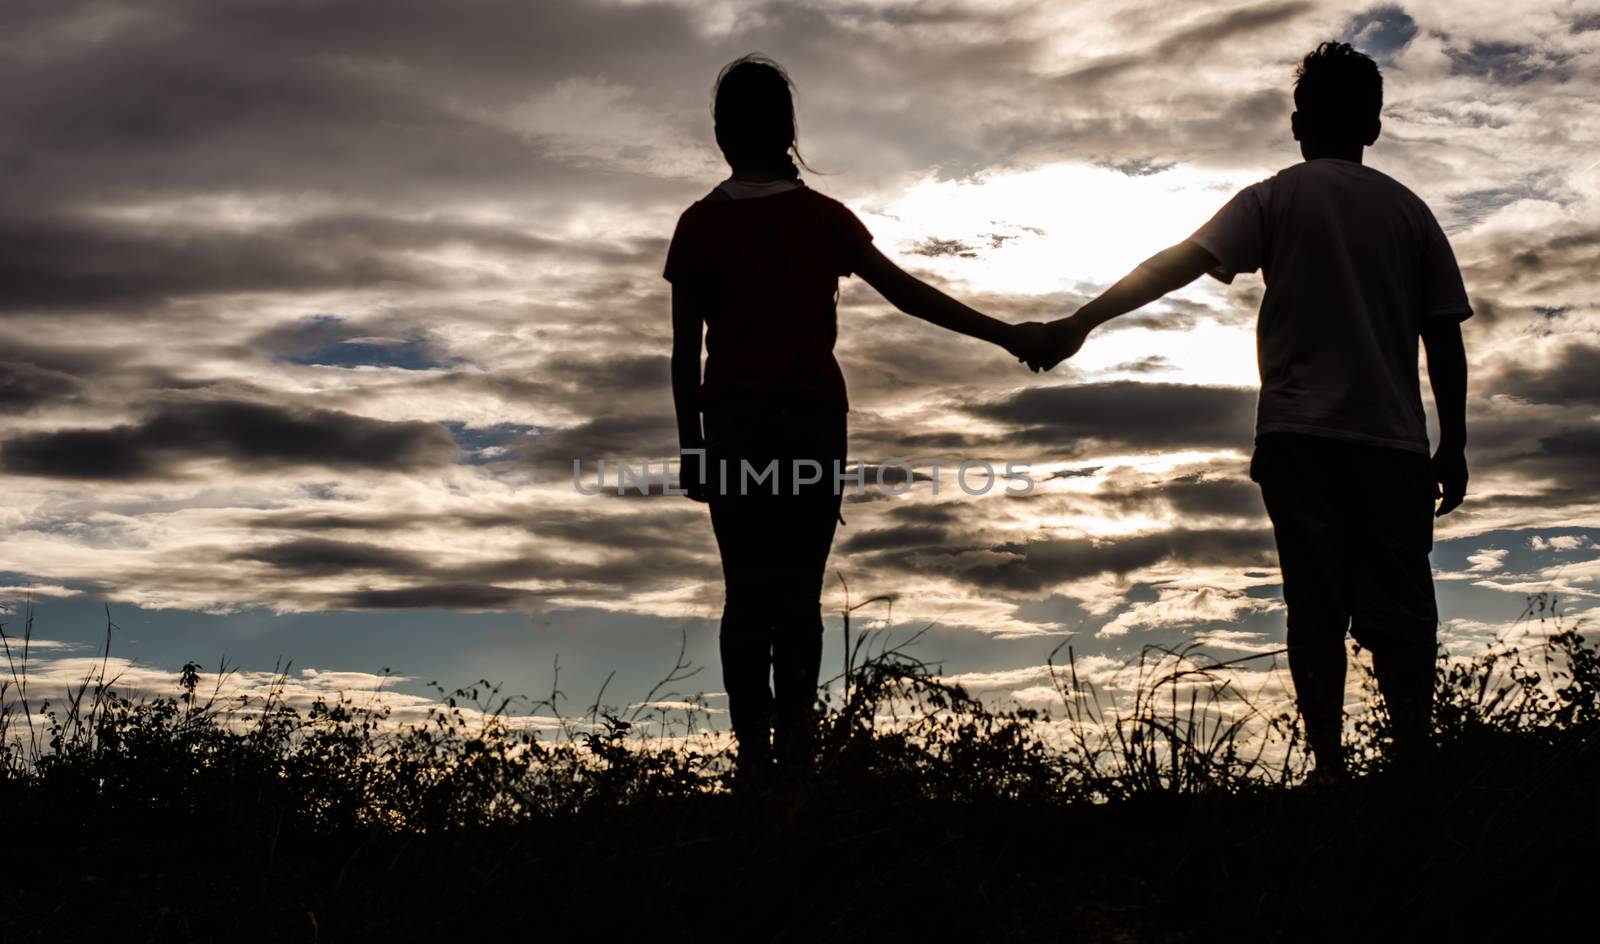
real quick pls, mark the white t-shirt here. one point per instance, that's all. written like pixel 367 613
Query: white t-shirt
pixel 1353 263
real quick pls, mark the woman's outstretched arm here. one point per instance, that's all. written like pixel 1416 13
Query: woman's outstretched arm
pixel 687 323
pixel 921 300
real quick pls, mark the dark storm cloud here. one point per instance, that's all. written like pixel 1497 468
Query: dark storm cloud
pixel 1182 314
pixel 1572 444
pixel 1138 166
pixel 367 100
pixel 934 247
pixel 25 386
pixel 317 521
pixel 632 555
pixel 1038 565
pixel 627 437
pixel 1191 495
pixel 402 103
pixel 1507 63
pixel 607 388
pixel 1227 127
pixel 925 514
pixel 1563 462
pixel 35 377
pixel 54 264
pixel 663 526
pixel 50 264
pixel 1574 378
pixel 251 436
pixel 1525 453
pixel 319 557
pixel 446 596
pixel 1524 277
pixel 882 539
pixel 1556 262
pixel 1550 469
pixel 1155 363
pixel 615 376
pixel 1467 209
pixel 1193 41
pixel 1128 414
pixel 509 44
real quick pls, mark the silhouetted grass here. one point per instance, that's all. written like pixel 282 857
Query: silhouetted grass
pixel 1175 815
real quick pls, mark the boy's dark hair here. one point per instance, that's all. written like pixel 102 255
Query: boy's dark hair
pixel 753 113
pixel 1338 92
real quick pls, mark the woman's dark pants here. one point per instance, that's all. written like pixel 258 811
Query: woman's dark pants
pixel 774 529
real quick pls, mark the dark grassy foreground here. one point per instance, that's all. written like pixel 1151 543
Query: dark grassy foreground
pixel 178 820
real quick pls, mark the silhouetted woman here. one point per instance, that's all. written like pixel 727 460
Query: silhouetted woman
pixel 757 263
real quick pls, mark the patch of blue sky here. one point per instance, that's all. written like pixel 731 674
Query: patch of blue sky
pixel 412 353
pixel 1381 32
pixel 484 444
pixel 329 340
pixel 1528 550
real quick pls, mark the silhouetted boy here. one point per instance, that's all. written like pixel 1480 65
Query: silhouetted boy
pixel 1356 271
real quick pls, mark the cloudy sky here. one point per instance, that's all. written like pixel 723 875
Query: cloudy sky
pixel 307 307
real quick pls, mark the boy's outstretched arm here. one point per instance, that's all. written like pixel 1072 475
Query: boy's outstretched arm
pixel 1027 342
pixel 1166 271
pixel 1447 373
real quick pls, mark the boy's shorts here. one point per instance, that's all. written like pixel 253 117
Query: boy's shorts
pixel 1354 525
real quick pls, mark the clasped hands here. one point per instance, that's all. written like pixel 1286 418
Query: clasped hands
pixel 1042 346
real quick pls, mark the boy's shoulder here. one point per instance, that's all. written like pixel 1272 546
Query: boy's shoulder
pixel 1346 174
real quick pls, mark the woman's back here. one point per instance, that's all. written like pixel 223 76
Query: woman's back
pixel 765 271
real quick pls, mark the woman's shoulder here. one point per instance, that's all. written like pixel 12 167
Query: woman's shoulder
pixel 820 199
pixel 720 207
pixel 713 196
pixel 694 214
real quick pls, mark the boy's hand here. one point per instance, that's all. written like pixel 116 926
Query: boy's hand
pixel 1450 471
pixel 1068 334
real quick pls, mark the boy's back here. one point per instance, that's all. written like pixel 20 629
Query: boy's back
pixel 1353 263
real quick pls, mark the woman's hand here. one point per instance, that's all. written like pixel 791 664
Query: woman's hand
pixel 692 474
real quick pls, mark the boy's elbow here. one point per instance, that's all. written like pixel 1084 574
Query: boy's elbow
pixel 1190 260
pixel 1179 264
pixel 1442 337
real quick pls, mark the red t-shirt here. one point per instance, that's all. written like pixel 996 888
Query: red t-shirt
pixel 766 271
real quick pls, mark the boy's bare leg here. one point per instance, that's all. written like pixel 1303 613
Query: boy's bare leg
pixel 1317 665
pixel 1405 674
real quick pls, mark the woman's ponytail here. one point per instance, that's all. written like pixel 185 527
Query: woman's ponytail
pixel 788 169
